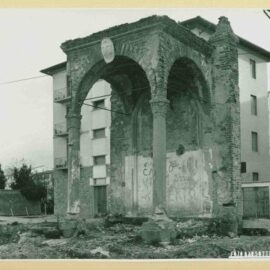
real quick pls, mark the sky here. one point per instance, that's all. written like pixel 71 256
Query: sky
pixel 30 40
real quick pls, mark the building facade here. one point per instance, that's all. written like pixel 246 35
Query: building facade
pixel 147 116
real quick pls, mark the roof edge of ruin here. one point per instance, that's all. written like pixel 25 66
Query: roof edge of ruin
pixel 211 28
pixel 168 24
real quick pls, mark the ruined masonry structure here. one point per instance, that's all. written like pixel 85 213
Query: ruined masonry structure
pixel 173 135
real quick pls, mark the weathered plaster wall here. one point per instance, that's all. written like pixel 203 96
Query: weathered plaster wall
pixel 189 183
pixel 139 183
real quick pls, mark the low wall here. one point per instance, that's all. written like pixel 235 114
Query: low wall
pixel 12 202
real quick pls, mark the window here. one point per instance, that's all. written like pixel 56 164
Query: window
pixel 243 167
pixel 254 138
pixel 99 160
pixel 253 105
pixel 99 133
pixel 255 177
pixel 99 104
pixel 253 68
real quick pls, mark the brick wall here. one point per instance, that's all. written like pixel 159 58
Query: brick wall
pixel 227 115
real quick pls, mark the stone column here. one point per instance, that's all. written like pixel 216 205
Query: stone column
pixel 159 228
pixel 159 108
pixel 73 203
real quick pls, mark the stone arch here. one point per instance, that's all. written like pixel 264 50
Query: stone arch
pixel 189 103
pixel 120 66
pixel 201 63
pixel 184 72
pixel 188 132
pixel 129 83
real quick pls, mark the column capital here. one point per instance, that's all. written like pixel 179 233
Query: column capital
pixel 159 106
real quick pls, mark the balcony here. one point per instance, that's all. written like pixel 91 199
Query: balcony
pixel 60 163
pixel 60 129
pixel 61 96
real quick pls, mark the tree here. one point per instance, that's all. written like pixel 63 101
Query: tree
pixel 23 181
pixel 22 177
pixel 3 179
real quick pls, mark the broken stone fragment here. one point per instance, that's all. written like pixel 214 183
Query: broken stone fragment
pixel 68 227
pixel 159 228
pixel 53 234
pixel 100 251
pixel 54 242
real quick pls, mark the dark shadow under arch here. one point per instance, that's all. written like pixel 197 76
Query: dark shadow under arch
pixel 189 107
pixel 125 76
pixel 186 77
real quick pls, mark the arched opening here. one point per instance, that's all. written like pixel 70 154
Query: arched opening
pixel 116 127
pixel 188 125
pixel 189 101
pixel 125 75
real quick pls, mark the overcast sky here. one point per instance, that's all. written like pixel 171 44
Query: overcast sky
pixel 29 42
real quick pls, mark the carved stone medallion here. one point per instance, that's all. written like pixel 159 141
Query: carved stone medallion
pixel 107 50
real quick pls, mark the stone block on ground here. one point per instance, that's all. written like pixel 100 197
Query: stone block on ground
pixel 68 227
pixel 134 220
pixel 227 221
pixel 158 230
pixel 76 227
pixel 100 252
pixel 54 242
pixel 111 220
pixel 53 234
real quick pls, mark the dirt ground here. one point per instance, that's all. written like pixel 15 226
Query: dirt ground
pixel 29 238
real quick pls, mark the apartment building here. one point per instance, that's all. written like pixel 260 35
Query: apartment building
pixel 95 132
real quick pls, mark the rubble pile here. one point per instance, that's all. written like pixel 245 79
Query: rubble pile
pixel 94 239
